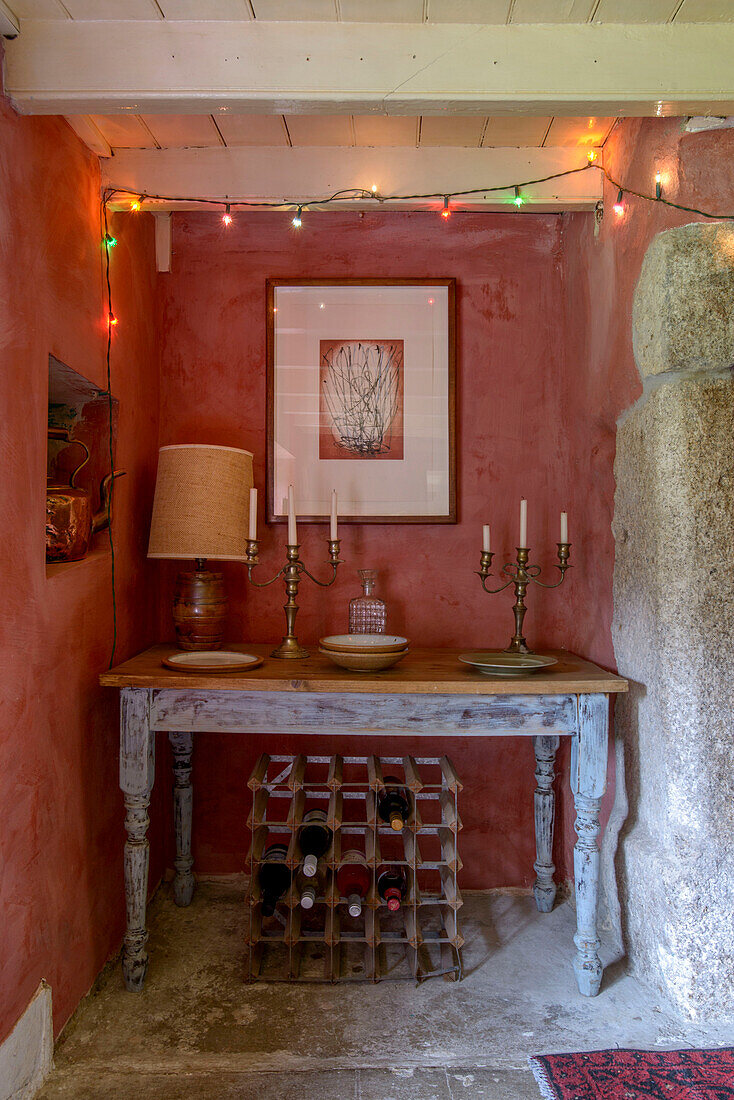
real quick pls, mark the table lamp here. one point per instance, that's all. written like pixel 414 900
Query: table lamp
pixel 201 511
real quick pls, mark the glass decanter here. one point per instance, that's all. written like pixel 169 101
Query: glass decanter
pixel 367 613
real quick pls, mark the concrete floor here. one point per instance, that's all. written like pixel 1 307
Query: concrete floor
pixel 197 1031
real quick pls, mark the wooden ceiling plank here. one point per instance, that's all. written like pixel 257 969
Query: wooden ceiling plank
pixel 509 131
pixel 452 130
pixel 381 11
pixel 182 131
pixel 38 9
pixel 252 129
pixel 294 10
pixel 385 130
pixel 124 132
pixel 586 132
pixel 634 11
pixel 110 9
pixel 552 11
pixel 85 127
pixel 468 11
pixel 705 11
pixel 205 9
pixel 66 67
pixel 321 130
pixel 9 21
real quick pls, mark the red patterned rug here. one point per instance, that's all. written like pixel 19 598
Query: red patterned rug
pixel 636 1075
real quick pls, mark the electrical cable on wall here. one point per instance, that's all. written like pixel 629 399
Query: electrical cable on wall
pixel 514 191
pixel 109 242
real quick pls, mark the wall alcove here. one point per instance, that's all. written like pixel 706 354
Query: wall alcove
pixel 83 410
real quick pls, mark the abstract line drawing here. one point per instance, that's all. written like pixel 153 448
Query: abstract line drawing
pixel 361 399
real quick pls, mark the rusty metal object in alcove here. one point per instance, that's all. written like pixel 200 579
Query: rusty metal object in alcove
pixel 70 522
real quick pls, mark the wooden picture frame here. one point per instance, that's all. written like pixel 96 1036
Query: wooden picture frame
pixel 361 397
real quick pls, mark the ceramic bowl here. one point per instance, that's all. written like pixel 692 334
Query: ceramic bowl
pixel 364 662
pixel 364 643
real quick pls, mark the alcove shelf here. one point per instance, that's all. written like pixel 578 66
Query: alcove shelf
pixel 83 410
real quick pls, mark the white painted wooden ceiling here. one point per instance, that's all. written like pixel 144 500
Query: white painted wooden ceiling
pixel 388 11
pixel 471 132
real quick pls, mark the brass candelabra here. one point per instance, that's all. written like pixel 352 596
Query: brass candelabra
pixel 521 574
pixel 290 647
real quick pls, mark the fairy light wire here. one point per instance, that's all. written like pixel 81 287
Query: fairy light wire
pixel 358 193
pixel 110 323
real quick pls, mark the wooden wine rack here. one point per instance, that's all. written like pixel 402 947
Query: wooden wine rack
pixel 325 943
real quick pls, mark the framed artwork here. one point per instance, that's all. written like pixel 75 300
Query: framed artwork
pixel 361 380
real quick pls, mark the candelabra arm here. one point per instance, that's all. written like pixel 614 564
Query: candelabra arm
pixel 252 560
pixel 491 591
pixel 335 562
pixel 564 549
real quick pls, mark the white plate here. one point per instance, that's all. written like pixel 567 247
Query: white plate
pixel 212 660
pixel 498 663
pixel 374 643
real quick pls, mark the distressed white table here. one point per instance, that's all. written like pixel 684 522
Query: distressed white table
pixel 429 694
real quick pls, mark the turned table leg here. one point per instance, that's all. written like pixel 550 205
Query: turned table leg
pixel 588 782
pixel 137 769
pixel 183 884
pixel 545 812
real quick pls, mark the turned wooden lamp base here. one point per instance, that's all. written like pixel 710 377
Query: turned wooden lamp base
pixel 200 608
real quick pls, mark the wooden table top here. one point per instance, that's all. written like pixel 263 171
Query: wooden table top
pixel 421 672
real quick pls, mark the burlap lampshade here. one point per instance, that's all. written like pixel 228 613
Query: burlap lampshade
pixel 202 501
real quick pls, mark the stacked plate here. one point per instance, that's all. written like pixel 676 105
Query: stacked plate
pixel 364 652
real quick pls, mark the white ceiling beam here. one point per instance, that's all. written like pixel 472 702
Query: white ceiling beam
pixel 9 22
pixel 276 174
pixel 171 67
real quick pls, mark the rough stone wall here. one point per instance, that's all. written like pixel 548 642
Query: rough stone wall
pixel 673 623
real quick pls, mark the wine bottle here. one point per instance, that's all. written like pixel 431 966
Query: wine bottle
pixel 392 885
pixel 393 803
pixel 353 880
pixel 309 888
pixel 274 877
pixel 314 839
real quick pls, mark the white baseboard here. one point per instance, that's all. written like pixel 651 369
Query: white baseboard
pixel 26 1056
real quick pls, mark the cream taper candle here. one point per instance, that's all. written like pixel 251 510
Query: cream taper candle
pixel 252 533
pixel 292 531
pixel 332 532
pixel 485 538
pixel 564 526
pixel 523 523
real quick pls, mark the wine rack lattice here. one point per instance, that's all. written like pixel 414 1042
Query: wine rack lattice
pixel 325 943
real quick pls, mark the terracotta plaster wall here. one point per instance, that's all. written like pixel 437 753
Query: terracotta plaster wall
pixel 511 442
pixel 602 380
pixel 61 897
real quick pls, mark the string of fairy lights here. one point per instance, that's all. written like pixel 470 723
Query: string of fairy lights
pixel 515 194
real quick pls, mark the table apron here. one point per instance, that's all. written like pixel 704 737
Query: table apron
pixel 420 715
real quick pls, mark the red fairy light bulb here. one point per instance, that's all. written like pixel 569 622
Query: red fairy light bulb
pixel 226 216
pixel 618 207
pixel 446 213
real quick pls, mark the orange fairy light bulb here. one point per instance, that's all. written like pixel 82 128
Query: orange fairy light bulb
pixel 226 216
pixel 446 212
pixel 618 207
